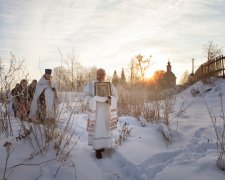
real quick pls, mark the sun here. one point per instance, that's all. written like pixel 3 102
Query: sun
pixel 159 62
pixel 149 73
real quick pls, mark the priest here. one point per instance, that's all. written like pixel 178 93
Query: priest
pixel 102 114
pixel 45 101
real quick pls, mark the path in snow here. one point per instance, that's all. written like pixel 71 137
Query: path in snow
pixel 115 166
pixel 191 152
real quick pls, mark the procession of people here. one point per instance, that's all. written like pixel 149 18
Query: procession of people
pixel 38 101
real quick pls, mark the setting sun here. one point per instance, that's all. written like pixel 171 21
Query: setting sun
pixel 158 62
pixel 149 74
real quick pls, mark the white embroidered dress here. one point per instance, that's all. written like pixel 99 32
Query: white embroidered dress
pixel 102 117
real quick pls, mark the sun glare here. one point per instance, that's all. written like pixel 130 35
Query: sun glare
pixel 149 74
pixel 159 62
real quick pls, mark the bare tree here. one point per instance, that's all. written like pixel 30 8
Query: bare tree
pixel 212 51
pixel 142 65
pixel 72 62
pixel 91 73
pixel 61 61
pixel 184 78
pixel 61 77
pixel 75 72
pixel 9 72
pixel 138 68
pixel 81 76
pixel 157 76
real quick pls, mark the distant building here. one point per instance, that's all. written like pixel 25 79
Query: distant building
pixel 169 78
pixel 191 78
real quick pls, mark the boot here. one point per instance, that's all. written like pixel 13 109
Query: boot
pixel 98 154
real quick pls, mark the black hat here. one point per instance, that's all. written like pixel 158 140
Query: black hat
pixel 48 71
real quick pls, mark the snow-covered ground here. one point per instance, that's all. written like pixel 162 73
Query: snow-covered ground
pixel 145 155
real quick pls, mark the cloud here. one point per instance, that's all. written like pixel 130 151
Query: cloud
pixel 109 32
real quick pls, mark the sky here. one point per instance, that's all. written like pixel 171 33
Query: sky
pixel 109 33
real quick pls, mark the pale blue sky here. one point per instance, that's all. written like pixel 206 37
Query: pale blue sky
pixel 108 33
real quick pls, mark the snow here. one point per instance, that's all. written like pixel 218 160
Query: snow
pixel 145 155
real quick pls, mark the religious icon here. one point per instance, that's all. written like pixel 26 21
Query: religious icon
pixel 103 89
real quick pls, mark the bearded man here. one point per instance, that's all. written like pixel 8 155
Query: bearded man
pixel 45 100
pixel 102 115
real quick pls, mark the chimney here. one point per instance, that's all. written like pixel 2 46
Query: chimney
pixel 193 65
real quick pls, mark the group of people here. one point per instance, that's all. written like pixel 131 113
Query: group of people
pixel 22 95
pixel 39 100
pixel 36 102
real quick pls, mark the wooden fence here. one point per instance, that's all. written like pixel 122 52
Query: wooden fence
pixel 215 68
